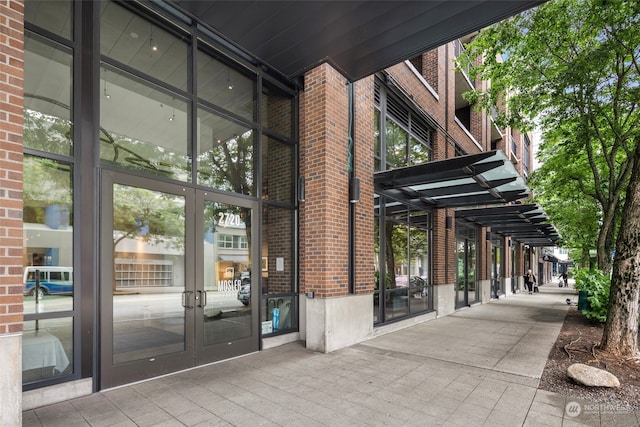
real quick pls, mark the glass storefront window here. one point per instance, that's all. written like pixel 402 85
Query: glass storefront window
pixel 225 87
pixel 419 152
pixel 396 145
pixel 149 273
pixel 406 251
pixel 47 97
pixel 278 170
pixel 48 235
pixel 47 349
pixel 142 45
pixel 377 154
pixel 277 110
pixel 53 16
pixel 227 273
pixel 277 265
pixel 278 314
pixel 143 127
pixel 225 154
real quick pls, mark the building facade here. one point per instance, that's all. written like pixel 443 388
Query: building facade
pixel 205 206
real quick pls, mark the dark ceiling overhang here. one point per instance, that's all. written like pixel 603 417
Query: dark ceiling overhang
pixel 472 180
pixel 525 223
pixel 359 38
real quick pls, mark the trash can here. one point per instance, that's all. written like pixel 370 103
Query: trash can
pixel 583 301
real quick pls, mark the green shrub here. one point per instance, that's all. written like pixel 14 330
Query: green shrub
pixel 597 286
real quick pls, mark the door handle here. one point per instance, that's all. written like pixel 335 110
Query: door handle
pixel 186 297
pixel 203 299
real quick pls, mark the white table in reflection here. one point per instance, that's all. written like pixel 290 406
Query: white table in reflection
pixel 40 349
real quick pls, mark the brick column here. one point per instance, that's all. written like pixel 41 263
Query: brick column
pixel 11 244
pixel 363 142
pixel 324 220
pixel 333 318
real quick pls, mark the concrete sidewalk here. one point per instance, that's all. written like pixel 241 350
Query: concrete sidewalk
pixel 478 367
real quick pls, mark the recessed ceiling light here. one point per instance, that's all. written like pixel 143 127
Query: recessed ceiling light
pixel 133 35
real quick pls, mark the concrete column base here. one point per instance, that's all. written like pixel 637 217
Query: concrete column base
pixel 11 380
pixel 444 299
pixel 335 323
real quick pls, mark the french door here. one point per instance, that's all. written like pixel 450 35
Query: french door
pixel 173 260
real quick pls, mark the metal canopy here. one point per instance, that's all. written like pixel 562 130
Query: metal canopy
pixel 472 180
pixel 359 38
pixel 527 224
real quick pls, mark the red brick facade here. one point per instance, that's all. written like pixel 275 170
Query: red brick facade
pixel 11 122
pixel 324 218
pixel 363 168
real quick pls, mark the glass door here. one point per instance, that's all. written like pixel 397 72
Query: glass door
pixel 466 292
pixel 226 296
pixel 177 289
pixel 147 290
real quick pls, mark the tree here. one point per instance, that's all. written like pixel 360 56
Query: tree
pixel 575 62
pixel 153 217
pixel 561 183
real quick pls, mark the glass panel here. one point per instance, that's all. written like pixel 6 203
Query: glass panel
pixel 277 265
pixel 48 236
pixel 142 127
pixel 461 274
pixel 397 303
pixel 227 273
pixel 225 154
pixel 277 251
pixel 376 273
pixel 54 16
pixel 397 292
pixel 419 152
pixel 131 40
pixel 418 268
pixel 47 349
pixel 277 110
pixel 471 270
pixel 47 97
pixel 149 273
pixel 377 151
pixel 278 171
pixel 279 311
pixel 396 143
pixel 226 87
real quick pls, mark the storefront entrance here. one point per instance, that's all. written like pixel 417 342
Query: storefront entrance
pixel 175 260
pixel 466 292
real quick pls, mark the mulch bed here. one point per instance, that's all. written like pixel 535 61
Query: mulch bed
pixel 578 342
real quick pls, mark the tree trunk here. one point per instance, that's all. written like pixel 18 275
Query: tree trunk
pixel 620 334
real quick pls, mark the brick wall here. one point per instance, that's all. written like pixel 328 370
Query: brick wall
pixel 324 213
pixel 363 168
pixel 431 68
pixel 11 105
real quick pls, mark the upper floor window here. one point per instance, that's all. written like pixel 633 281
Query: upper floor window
pixel 402 138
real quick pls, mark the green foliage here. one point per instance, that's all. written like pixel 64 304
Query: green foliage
pixel 569 67
pixel 597 285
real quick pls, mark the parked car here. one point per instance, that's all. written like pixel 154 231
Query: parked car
pixel 54 280
pixel 244 293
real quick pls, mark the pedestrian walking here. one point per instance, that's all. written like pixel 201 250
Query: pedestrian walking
pixel 565 278
pixel 530 281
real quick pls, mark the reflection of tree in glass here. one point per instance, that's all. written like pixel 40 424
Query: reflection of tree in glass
pixel 228 165
pixel 46 182
pixel 46 132
pixel 141 155
pixel 153 217
pixel 53 134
